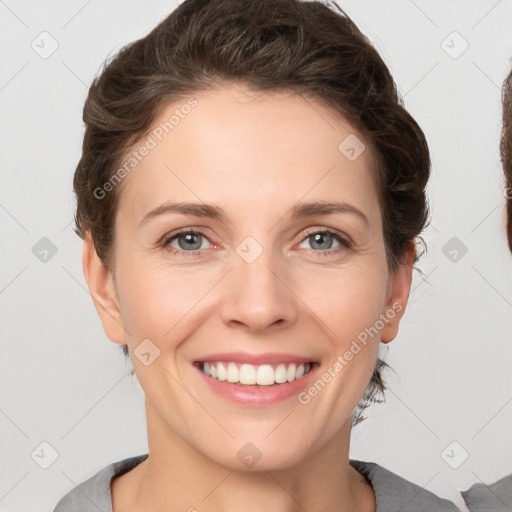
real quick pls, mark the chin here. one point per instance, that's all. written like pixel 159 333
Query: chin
pixel 253 456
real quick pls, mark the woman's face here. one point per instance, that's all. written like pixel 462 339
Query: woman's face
pixel 271 278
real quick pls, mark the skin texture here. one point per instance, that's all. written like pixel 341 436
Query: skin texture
pixel 255 156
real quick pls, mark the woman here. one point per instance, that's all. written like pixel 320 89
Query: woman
pixel 269 136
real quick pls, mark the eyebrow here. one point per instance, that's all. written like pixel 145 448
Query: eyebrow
pixel 298 211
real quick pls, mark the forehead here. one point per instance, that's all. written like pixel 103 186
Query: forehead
pixel 237 146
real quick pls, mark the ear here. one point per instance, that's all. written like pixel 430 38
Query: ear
pixel 398 295
pixel 101 287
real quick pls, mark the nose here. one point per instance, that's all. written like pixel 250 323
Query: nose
pixel 258 294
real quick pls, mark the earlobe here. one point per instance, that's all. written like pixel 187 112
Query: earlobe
pixel 101 287
pixel 398 295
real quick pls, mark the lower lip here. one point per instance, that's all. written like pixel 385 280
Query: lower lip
pixel 255 395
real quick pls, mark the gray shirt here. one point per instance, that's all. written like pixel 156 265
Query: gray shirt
pixel 392 492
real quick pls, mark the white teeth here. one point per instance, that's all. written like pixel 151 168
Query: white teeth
pixel 281 375
pixel 222 374
pixel 247 374
pixel 263 375
pixel 233 374
pixel 292 372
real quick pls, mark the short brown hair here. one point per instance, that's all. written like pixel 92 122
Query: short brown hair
pixel 506 152
pixel 309 48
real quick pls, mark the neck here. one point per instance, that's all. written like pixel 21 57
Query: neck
pixel 176 476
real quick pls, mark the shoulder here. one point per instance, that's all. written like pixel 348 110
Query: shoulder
pixel 94 494
pixel 496 497
pixel 393 492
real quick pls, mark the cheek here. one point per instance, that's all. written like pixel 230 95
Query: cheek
pixel 347 301
pixel 157 298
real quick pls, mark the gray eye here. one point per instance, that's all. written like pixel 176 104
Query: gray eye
pixel 191 241
pixel 321 240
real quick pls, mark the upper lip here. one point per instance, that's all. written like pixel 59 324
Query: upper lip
pixel 254 359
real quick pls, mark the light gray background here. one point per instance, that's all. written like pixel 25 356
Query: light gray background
pixel 64 382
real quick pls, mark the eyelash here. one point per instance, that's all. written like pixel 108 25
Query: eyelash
pixel 345 243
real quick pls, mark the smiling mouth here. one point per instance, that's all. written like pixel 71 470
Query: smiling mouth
pixel 255 375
